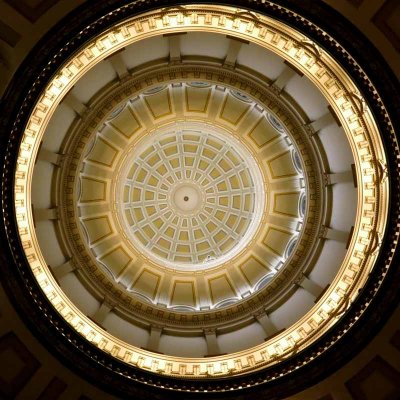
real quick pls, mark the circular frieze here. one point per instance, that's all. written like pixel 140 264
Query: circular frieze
pixel 256 153
pixel 363 247
pixel 100 231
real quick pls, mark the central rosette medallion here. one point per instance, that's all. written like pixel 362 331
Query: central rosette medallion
pixel 186 198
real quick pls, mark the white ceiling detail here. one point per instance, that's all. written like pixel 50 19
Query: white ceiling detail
pixel 192 196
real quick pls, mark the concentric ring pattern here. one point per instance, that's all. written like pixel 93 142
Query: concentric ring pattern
pixel 206 225
pixel 191 199
pixel 237 165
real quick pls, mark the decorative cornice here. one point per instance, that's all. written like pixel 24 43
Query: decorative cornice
pixel 87 127
pixel 379 291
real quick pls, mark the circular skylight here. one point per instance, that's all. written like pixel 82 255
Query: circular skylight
pixel 191 196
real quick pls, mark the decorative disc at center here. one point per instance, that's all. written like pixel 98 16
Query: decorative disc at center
pixel 186 198
pixel 191 196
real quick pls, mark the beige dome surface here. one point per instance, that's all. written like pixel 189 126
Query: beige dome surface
pixel 199 189
pixel 116 245
pixel 191 196
pixel 187 178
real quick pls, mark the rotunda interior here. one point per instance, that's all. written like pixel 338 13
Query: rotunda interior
pixel 200 200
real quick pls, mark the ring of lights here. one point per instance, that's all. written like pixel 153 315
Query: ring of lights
pixel 368 153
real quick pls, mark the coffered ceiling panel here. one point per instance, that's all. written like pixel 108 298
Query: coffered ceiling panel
pixel 216 187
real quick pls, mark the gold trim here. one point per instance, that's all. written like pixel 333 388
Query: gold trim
pixel 119 247
pixel 272 170
pixel 240 117
pixel 88 178
pixel 360 129
pixel 219 277
pixel 103 217
pixel 194 296
pixel 276 202
pixel 107 143
pixel 258 261
pixel 155 117
pixel 158 277
pixel 250 133
pixel 272 228
pixel 204 110
pixel 129 302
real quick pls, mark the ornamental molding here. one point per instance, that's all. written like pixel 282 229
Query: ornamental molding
pixel 360 129
pixel 86 128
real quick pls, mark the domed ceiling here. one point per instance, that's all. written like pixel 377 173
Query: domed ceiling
pixel 201 193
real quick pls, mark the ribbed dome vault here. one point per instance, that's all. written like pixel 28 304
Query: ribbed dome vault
pixel 201 194
pixel 189 197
